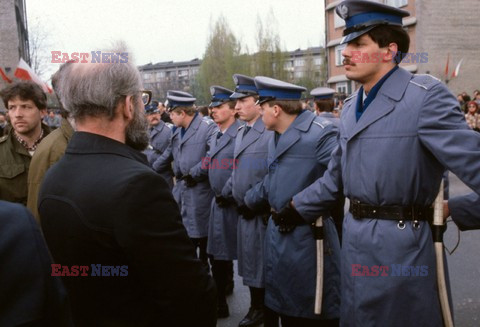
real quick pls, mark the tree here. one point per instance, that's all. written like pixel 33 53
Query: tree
pixel 39 44
pixel 269 59
pixel 222 59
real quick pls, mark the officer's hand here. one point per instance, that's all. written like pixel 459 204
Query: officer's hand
pixel 189 181
pixel 287 219
pixel 446 211
pixel 246 212
pixel 223 202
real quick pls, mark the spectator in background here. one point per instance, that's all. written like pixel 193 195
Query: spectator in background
pixel 52 120
pixel 102 205
pixel 476 97
pixel 3 123
pixel 50 150
pixel 461 102
pixel 206 113
pixel 472 116
pixel 26 103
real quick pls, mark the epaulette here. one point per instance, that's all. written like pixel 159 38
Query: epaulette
pixel 240 127
pixel 351 96
pixel 424 81
pixel 322 122
pixel 3 138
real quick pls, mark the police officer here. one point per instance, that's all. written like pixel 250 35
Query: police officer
pixel 323 103
pixel 160 134
pixel 188 145
pixel 297 155
pixel 398 133
pixel 250 155
pixel 465 211
pixel 222 230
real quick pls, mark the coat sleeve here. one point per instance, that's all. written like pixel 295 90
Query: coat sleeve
pixel 163 162
pixel 157 245
pixel 317 198
pixel 256 198
pixel 227 189
pixel 465 211
pixel 443 131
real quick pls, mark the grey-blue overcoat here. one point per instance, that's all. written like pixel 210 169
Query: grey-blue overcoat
pixel 159 140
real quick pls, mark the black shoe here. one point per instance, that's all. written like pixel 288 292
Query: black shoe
pixel 254 317
pixel 229 287
pixel 222 311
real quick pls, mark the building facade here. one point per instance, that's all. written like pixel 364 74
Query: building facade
pixel 160 77
pixel 13 36
pixel 440 31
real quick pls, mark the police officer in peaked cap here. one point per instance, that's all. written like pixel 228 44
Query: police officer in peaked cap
pixel 398 134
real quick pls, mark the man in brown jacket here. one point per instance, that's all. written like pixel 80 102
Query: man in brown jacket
pixel 26 104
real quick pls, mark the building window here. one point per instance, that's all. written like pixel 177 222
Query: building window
pixel 317 61
pixel 299 62
pixel 183 73
pixel 160 75
pixel 338 21
pixel 287 65
pixel 146 76
pixel 341 87
pixel 298 74
pixel 338 54
pixel 396 3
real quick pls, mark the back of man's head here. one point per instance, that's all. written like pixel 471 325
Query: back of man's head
pixel 95 89
pixel 25 91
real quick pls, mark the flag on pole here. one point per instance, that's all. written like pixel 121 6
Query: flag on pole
pixel 446 67
pixel 457 69
pixel 24 72
pixel 4 76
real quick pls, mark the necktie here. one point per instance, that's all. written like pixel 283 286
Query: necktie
pixel 219 135
pixel 245 131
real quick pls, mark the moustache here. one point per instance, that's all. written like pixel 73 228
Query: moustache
pixel 347 61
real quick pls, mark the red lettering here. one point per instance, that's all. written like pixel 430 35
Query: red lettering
pixel 235 163
pixel 384 270
pixel 365 58
pixel 374 272
pixel 84 270
pixel 65 271
pixel 65 57
pixel 356 270
pixel 56 269
pixel 55 59
pixel 375 57
pixel 84 57
pixel 75 57
pixel 74 271
pixel 205 163
pixel 355 57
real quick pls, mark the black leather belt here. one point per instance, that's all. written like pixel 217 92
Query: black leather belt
pixel 362 210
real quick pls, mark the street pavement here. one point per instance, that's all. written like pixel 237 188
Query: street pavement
pixel 463 266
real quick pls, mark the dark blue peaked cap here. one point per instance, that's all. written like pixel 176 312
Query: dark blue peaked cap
pixel 220 95
pixel 322 93
pixel 362 16
pixel 179 99
pixel 151 108
pixel 274 89
pixel 244 87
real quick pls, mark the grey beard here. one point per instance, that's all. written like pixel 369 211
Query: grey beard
pixel 137 132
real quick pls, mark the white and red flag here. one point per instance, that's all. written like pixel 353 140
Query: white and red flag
pixel 457 69
pixel 24 72
pixel 4 76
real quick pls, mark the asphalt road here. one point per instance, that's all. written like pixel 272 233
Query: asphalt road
pixel 464 270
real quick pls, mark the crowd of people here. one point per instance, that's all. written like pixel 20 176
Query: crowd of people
pixel 143 205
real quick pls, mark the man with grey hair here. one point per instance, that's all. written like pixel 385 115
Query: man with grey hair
pixel 106 214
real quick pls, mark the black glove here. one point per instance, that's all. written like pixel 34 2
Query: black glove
pixel 287 219
pixel 246 212
pixel 189 181
pixel 224 202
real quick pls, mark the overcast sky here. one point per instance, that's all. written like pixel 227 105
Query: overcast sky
pixel 165 30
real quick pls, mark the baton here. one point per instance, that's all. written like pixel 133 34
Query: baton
pixel 318 234
pixel 438 242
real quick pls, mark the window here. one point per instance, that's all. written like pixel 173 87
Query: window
pixel 146 76
pixel 318 61
pixel 160 75
pixel 287 65
pixel 341 87
pixel 338 21
pixel 338 54
pixel 299 62
pixel 396 3
pixel 298 74
pixel 183 73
